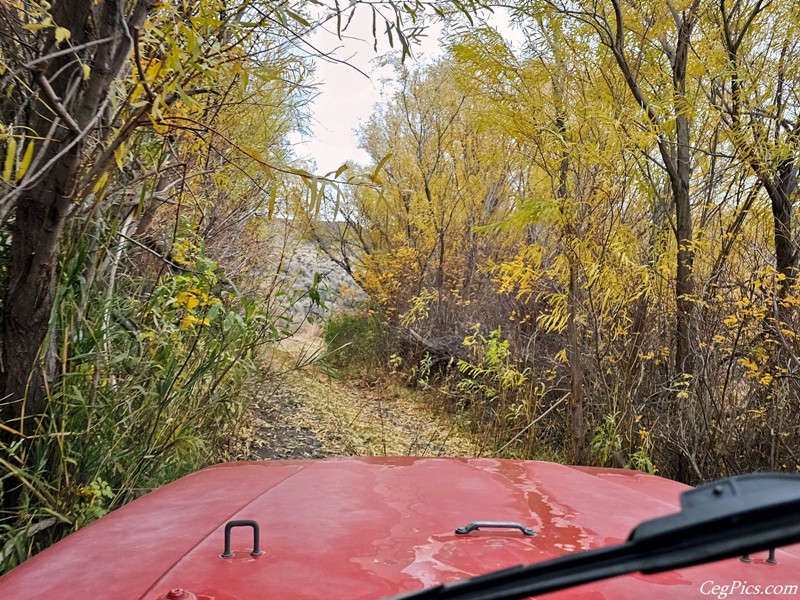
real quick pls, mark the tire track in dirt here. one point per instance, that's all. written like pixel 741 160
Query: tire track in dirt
pixel 304 413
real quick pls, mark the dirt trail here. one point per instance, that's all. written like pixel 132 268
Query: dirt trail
pixel 304 413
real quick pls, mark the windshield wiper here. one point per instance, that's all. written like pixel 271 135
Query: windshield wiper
pixel 731 517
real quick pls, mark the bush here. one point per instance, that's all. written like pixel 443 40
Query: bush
pixel 357 340
pixel 150 384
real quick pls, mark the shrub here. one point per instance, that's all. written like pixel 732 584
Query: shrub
pixel 357 340
pixel 151 380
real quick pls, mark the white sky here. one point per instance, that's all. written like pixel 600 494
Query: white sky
pixel 345 97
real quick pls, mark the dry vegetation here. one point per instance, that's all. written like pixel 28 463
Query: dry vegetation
pixel 583 248
pixel 306 413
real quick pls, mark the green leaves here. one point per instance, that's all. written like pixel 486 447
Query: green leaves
pixel 285 15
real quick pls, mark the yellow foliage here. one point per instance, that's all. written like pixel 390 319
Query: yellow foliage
pixel 191 320
pixel 11 157
pixel 187 299
pixel 185 253
pixel 62 33
pixel 419 307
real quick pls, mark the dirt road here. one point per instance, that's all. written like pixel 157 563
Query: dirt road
pixel 305 413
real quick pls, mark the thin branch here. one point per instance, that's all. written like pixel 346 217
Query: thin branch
pixel 161 257
pixel 150 95
pixel 71 49
pixel 55 101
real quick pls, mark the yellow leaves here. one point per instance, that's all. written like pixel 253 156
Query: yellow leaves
pixel 87 71
pixel 11 156
pixel 731 321
pixel 562 356
pixel 340 171
pixel 385 275
pixel 521 272
pixel 375 177
pixel 790 300
pixel 748 364
pixel 120 154
pixel 10 173
pixel 419 307
pixel 43 24
pixel 100 183
pixel 185 253
pixel 62 34
pixel 556 319
pixel 395 363
pixel 545 210
pixel 493 363
pixel 273 195
pixel 190 300
pixel 191 320
pixel 756 372
pixel 187 299
pixel 152 70
pixel 158 127
pixel 193 298
pixel 684 387
pixel 27 157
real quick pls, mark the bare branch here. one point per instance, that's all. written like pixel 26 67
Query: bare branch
pixel 55 103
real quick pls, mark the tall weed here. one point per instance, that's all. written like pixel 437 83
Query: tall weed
pixel 149 384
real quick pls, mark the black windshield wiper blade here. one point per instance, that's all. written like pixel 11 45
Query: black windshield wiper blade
pixel 731 517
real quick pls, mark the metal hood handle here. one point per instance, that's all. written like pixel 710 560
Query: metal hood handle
pixel 230 525
pixel 495 525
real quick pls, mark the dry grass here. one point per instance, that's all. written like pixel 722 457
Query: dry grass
pixel 305 413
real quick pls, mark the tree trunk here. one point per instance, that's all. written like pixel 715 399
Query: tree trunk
pixel 780 192
pixel 780 183
pixel 576 426
pixel 676 155
pixel 684 285
pixel 28 358
pixel 577 429
pixel 61 112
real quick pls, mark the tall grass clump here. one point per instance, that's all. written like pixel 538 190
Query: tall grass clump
pixel 151 370
pixel 358 340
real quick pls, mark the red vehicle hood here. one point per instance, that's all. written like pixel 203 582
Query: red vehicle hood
pixel 368 528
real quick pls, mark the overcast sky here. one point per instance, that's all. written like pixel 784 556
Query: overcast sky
pixel 345 96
